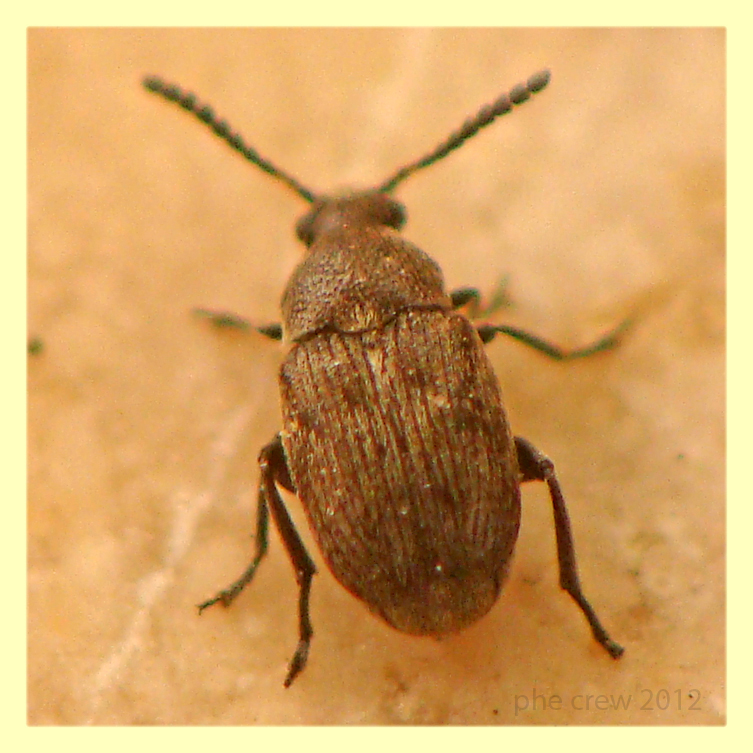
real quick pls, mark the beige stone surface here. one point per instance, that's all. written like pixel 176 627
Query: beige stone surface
pixel 602 198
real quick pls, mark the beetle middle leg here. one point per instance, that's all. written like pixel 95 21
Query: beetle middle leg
pixel 535 466
pixel 229 320
pixel 274 470
pixel 472 298
pixel 487 332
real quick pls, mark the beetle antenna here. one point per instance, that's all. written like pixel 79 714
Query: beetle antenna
pixel 204 113
pixel 501 106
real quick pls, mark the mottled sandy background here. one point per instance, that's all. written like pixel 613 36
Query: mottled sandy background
pixel 602 198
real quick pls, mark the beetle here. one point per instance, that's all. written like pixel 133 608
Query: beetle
pixel 394 437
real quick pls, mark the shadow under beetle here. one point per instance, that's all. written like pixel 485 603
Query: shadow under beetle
pixel 394 434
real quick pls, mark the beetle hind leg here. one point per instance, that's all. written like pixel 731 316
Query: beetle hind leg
pixel 274 470
pixel 535 466
pixel 274 467
pixel 228 595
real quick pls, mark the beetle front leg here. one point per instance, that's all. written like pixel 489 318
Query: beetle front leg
pixel 472 298
pixel 535 466
pixel 274 470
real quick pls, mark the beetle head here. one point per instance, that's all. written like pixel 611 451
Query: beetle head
pixel 362 209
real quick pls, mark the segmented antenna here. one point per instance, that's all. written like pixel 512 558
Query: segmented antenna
pixel 204 113
pixel 516 96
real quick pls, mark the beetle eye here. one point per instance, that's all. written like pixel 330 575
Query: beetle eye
pixel 304 230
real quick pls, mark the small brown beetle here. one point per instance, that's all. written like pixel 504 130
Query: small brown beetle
pixel 394 434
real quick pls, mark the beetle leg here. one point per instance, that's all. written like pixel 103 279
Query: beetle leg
pixel 487 332
pixel 227 319
pixel 228 595
pixel 274 468
pixel 472 297
pixel 463 296
pixel 535 466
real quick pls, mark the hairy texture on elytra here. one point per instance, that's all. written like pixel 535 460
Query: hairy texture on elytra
pixel 400 451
